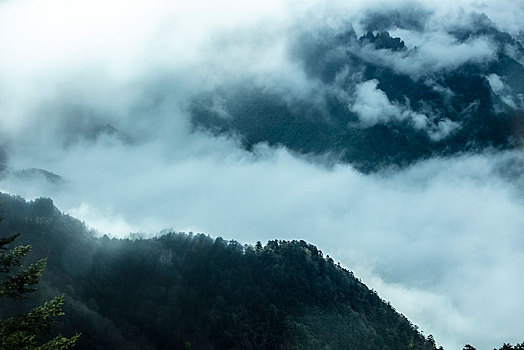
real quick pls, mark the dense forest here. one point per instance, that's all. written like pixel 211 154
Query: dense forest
pixel 459 109
pixel 189 291
pixel 391 133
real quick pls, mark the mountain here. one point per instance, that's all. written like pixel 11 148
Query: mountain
pixel 35 173
pixel 189 291
pixel 375 101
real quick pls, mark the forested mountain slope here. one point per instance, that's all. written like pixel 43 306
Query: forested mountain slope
pixel 374 101
pixel 185 291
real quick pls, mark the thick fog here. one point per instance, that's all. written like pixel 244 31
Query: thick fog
pixel 98 92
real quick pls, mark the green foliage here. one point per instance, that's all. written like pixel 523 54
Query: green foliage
pixel 20 283
pixel 189 291
pixel 325 125
pixel 26 331
pixel 181 291
pixel 21 332
pixel 506 346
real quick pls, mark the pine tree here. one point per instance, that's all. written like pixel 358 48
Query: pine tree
pixel 23 332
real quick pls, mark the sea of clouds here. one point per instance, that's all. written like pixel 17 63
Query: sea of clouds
pixel 98 92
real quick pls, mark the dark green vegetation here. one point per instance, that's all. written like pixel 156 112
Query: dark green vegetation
pixel 323 123
pixel 184 291
pixel 26 331
pixel 505 346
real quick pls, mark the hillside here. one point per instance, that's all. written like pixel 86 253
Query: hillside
pixel 374 102
pixel 189 291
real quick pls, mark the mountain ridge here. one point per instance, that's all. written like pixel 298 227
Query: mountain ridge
pixel 179 289
pixel 376 103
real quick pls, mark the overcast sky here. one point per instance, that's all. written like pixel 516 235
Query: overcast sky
pixel 442 240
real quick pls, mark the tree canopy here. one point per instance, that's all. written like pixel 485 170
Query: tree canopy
pixel 27 331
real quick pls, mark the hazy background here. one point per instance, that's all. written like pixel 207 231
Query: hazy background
pixel 97 93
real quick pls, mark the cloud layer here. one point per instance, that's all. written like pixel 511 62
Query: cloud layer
pixel 441 240
pixel 98 93
pixel 373 106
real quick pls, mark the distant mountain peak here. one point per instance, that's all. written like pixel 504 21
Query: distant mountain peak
pixel 382 40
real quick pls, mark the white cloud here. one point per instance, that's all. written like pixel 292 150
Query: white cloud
pixel 442 129
pixel 503 91
pixel 445 233
pixel 496 83
pixel 373 107
pixel 429 52
pixel 438 239
pixel 108 221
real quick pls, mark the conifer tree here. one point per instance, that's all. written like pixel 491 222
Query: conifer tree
pixel 24 332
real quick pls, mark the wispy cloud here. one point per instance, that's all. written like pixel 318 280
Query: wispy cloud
pixel 97 93
pixel 373 107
